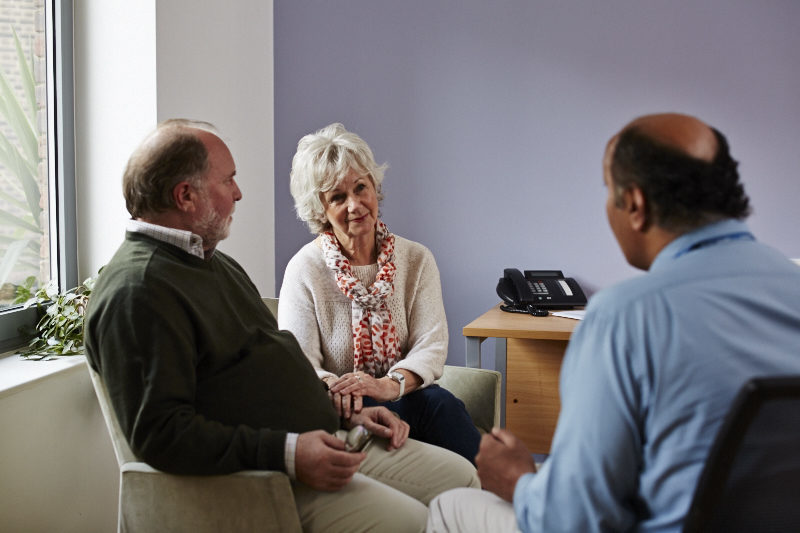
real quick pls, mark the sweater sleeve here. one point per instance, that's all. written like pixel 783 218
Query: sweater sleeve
pixel 426 346
pixel 297 311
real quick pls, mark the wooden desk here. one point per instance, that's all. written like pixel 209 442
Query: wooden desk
pixel 528 353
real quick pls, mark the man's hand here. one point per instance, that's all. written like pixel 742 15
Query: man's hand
pixel 322 463
pixel 502 459
pixel 381 422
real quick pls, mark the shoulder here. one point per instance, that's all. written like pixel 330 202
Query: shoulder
pixel 411 251
pixel 142 265
pixel 306 268
pixel 620 296
pixel 308 257
pixel 227 261
pixel 309 252
pixel 629 309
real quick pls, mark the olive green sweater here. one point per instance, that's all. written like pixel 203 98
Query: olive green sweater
pixel 200 377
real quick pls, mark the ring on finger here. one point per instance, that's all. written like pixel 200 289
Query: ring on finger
pixel 358 378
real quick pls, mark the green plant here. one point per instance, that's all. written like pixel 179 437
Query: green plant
pixel 21 214
pixel 60 329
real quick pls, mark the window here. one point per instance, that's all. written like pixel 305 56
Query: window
pixel 37 186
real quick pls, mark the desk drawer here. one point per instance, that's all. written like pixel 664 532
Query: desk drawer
pixel 532 401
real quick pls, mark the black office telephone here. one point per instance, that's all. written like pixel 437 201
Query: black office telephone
pixel 535 291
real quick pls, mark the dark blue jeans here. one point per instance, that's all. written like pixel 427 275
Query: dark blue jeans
pixel 437 417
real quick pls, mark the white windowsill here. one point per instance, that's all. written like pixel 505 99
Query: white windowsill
pixel 17 374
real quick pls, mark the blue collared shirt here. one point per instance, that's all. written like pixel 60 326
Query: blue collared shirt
pixel 649 375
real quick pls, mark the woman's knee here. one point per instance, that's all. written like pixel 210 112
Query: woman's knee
pixel 438 397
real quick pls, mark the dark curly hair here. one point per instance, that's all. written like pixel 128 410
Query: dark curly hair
pixel 683 192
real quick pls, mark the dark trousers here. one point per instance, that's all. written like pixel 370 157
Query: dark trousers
pixel 437 417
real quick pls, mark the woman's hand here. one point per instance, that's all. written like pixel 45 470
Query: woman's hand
pixel 347 391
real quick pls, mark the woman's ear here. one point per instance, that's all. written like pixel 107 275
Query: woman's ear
pixel 185 196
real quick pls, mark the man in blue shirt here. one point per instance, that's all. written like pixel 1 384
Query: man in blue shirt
pixel 653 368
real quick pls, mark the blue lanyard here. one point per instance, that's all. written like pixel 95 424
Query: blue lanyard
pixel 716 240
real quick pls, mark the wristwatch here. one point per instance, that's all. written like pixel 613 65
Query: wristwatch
pixel 401 379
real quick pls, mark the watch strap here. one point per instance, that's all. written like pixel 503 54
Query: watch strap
pixel 401 379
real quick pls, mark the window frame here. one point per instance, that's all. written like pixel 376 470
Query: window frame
pixel 62 201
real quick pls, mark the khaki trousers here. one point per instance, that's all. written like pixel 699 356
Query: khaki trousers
pixel 389 493
pixel 471 511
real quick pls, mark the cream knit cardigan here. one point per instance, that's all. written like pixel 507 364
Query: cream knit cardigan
pixel 313 308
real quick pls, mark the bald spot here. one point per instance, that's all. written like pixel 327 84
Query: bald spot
pixel 682 132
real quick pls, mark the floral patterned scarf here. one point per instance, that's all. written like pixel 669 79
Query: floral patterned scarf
pixel 374 335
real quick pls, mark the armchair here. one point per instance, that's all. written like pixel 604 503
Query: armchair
pixel 151 500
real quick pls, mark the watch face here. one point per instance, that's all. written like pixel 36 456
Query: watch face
pixel 397 376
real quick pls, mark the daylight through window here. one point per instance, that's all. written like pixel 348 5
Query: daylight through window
pixel 24 226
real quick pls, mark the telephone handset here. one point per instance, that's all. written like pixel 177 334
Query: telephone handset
pixel 535 291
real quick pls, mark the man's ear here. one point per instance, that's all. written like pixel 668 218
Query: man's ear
pixel 184 196
pixel 636 207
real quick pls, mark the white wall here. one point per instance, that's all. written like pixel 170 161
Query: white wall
pixel 140 62
pixel 215 64
pixel 115 107
pixel 57 464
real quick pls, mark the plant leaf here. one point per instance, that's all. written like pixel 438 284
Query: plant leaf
pixel 12 200
pixel 26 73
pixel 25 172
pixel 19 121
pixel 10 258
pixel 11 219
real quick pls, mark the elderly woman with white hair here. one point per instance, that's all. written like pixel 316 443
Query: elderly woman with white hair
pixel 365 304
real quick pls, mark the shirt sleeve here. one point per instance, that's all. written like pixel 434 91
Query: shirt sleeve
pixel 290 451
pixel 590 480
pixel 427 324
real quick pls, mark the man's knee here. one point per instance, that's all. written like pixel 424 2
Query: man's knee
pixel 468 510
pixel 444 511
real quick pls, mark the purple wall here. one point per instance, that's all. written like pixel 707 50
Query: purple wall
pixel 493 117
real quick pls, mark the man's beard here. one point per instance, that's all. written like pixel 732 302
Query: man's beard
pixel 212 228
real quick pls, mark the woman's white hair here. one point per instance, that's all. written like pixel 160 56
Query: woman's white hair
pixel 322 160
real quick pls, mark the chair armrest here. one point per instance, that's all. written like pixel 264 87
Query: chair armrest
pixel 479 389
pixel 246 501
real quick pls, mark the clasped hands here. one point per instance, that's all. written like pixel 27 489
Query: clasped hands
pixel 321 461
pixel 348 390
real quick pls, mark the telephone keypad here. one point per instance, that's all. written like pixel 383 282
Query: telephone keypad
pixel 538 287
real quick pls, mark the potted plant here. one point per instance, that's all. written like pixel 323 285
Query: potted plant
pixel 60 329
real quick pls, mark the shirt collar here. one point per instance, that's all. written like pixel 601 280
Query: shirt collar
pixel 676 248
pixel 185 240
